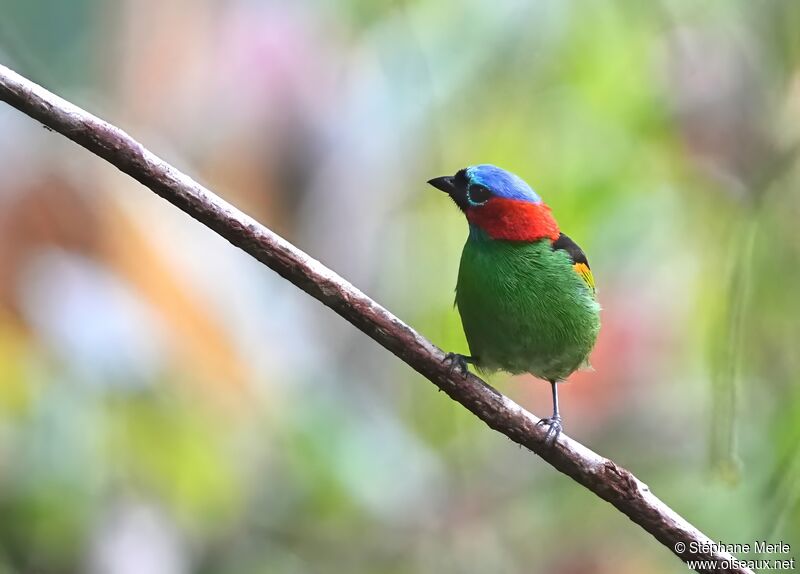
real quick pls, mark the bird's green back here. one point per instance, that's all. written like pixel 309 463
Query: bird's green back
pixel 524 307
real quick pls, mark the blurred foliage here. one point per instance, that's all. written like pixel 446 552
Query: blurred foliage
pixel 169 406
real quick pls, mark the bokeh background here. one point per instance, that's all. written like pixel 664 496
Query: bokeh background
pixel 169 406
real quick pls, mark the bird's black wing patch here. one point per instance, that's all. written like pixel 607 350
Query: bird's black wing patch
pixel 579 262
pixel 568 245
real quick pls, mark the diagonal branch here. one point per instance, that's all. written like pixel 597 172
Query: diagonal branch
pixel 600 475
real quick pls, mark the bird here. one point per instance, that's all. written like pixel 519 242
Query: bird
pixel 525 292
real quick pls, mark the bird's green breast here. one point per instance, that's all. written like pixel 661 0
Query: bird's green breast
pixel 524 308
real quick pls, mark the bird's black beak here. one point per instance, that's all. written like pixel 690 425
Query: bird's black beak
pixel 455 186
pixel 444 183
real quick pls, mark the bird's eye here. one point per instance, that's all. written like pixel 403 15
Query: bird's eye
pixel 478 195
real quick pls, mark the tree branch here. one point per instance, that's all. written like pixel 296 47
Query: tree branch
pixel 600 475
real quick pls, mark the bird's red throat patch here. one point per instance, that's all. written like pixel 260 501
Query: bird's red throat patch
pixel 514 220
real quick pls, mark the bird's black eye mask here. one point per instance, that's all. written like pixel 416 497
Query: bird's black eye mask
pixel 468 194
pixel 461 191
pixel 458 190
pixel 460 179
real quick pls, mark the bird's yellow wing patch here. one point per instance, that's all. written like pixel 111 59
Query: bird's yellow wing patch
pixel 585 273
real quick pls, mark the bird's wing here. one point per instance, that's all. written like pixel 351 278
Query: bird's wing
pixel 579 262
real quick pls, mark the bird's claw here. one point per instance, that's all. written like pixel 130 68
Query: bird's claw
pixel 554 429
pixel 457 363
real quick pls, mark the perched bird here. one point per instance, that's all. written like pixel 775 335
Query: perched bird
pixel 525 292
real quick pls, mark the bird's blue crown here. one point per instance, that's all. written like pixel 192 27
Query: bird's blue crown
pixel 501 183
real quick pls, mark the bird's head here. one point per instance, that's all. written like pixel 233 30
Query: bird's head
pixel 499 203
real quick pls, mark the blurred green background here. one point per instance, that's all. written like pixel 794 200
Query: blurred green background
pixel 169 406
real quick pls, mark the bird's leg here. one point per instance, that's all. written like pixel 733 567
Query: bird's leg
pixel 459 362
pixel 554 422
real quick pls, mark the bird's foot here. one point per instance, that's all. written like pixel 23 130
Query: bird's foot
pixel 458 362
pixel 554 429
